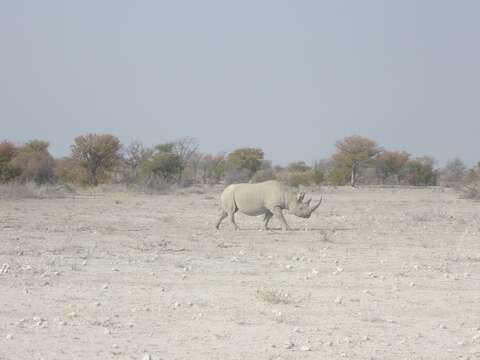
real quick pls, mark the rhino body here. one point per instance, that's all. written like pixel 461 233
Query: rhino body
pixel 267 198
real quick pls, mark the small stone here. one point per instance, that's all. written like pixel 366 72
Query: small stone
pixel 289 345
pixel 105 287
pixel 305 348
pixel 338 300
pixel 84 263
pixel 9 337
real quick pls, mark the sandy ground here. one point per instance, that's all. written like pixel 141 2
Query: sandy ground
pixel 376 274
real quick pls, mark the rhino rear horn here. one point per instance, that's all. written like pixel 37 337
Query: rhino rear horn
pixel 300 196
pixel 315 207
pixel 308 202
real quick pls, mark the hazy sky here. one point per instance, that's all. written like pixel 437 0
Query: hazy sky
pixel 291 77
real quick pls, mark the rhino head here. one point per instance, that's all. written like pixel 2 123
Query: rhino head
pixel 303 209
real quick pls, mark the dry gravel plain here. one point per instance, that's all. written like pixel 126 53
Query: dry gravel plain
pixel 377 273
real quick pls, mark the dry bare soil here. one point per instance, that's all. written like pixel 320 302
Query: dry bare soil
pixel 375 274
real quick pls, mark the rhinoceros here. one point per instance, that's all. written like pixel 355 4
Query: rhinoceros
pixel 266 198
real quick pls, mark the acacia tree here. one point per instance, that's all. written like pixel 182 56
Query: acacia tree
pixel 390 164
pixel 246 158
pixel 354 153
pixel 185 148
pixel 133 156
pixel 97 153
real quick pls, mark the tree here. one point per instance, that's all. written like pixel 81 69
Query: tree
pixel 34 163
pixel 297 166
pixel 390 164
pixel 212 167
pixel 165 164
pixel 318 172
pixel 97 153
pixel 185 148
pixel 7 153
pixel 354 153
pixel 419 172
pixel 454 173
pixel 249 159
pixel 133 156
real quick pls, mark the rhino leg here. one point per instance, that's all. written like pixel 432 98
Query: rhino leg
pixel 223 215
pixel 232 220
pixel 278 213
pixel 266 220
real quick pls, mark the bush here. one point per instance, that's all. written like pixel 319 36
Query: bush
pixel 7 152
pixel 471 191
pixel 297 167
pixel 234 176
pixel 264 175
pixel 34 163
pixel 419 172
pixel 249 159
pixel 164 164
pixel 339 175
pixel 69 171
pixel 453 174
pixel 301 178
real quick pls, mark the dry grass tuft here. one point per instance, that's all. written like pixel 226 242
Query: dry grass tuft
pixel 33 191
pixel 274 297
pixel 471 191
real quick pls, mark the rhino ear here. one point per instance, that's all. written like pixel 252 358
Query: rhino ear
pixel 300 196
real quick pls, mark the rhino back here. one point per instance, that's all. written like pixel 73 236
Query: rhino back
pixel 256 199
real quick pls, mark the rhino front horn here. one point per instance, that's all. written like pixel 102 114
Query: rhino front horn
pixel 315 207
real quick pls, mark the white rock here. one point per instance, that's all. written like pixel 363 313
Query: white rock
pixel 305 348
pixel 9 337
